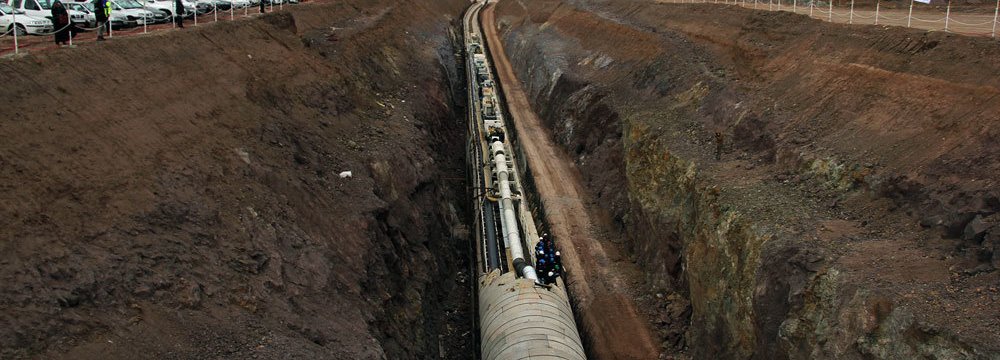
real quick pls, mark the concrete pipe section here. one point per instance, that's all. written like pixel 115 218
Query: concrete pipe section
pixel 522 320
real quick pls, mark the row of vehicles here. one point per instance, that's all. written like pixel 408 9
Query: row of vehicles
pixel 34 17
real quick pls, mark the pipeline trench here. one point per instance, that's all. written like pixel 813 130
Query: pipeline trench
pixel 610 323
pixel 721 183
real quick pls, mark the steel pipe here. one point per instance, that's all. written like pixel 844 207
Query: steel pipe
pixel 512 235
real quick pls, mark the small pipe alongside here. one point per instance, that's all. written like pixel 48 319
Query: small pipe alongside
pixel 509 218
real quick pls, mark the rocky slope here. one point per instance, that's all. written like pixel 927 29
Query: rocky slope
pixel 180 195
pixel 814 190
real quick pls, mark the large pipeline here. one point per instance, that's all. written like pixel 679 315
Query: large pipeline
pixel 519 317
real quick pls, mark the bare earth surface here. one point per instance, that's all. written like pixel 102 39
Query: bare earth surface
pixel 611 323
pixel 177 196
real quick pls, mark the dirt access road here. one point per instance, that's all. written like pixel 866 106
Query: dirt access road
pixel 611 324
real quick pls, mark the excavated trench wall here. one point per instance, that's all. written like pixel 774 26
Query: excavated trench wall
pixel 180 195
pixel 862 117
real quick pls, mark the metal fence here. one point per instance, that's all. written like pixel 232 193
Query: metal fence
pixel 13 42
pixel 973 21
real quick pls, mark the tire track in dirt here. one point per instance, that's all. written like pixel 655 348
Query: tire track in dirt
pixel 611 323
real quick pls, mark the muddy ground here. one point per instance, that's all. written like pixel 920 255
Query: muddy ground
pixel 180 195
pixel 812 190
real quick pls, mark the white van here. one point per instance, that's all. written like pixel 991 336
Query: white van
pixel 43 9
pixel 136 12
pixel 118 20
pixel 26 24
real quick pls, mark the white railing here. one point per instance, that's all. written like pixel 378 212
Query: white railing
pixel 979 24
pixel 19 43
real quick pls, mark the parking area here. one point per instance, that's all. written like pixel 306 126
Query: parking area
pixel 28 30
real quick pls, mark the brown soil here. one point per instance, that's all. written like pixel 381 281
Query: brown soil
pixel 866 149
pixel 611 324
pixel 178 196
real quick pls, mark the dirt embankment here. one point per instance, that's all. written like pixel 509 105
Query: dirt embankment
pixel 179 195
pixel 852 210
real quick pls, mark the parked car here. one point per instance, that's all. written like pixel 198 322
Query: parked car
pixel 167 7
pixel 90 19
pixel 223 5
pixel 26 24
pixel 43 9
pixel 135 12
pixel 204 6
pixel 118 19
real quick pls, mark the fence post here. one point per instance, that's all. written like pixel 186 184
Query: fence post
pixel 144 20
pixel 195 14
pixel 811 2
pixel 877 3
pixel 831 11
pixel 215 12
pixel 755 4
pixel 232 16
pixel 173 15
pixel 779 5
pixel 995 13
pixel 947 16
pixel 13 21
pixel 851 19
pixel 794 5
pixel 909 17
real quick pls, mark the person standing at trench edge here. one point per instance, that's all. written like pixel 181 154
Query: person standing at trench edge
pixel 261 6
pixel 102 10
pixel 179 13
pixel 60 19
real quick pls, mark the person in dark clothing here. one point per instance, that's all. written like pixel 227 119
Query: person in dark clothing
pixel 179 13
pixel 60 19
pixel 261 6
pixel 102 11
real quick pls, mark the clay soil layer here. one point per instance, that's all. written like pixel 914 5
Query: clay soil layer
pixel 812 190
pixel 179 195
pixel 611 324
